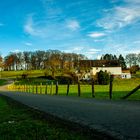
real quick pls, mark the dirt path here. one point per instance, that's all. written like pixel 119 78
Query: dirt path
pixel 5 87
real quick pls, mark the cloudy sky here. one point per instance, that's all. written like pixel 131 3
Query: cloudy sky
pixel 90 27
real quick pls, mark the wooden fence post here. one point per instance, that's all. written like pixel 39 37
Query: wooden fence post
pixel 56 88
pixel 92 84
pixel 51 88
pixel 110 86
pixel 68 87
pixel 46 89
pixel 36 88
pixel 24 88
pixel 40 88
pixel 29 88
pixel 131 92
pixel 33 88
pixel 79 90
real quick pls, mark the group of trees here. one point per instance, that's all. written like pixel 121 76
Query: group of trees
pixel 55 59
pixel 51 59
pixel 130 60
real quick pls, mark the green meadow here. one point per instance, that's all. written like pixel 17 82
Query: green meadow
pixel 120 88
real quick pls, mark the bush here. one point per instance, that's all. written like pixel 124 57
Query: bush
pixel 64 79
pixel 24 76
pixel 134 69
pixel 103 78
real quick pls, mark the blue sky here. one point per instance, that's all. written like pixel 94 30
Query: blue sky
pixel 90 27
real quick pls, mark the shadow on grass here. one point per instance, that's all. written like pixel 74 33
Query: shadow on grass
pixel 24 127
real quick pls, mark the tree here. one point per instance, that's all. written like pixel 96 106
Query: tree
pixel 27 59
pixel 122 61
pixel 131 59
pixel 103 78
pixel 138 59
pixel 108 57
pixel 1 63
pixel 134 69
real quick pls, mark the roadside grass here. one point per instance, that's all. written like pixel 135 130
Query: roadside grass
pixel 18 122
pixel 3 82
pixel 120 88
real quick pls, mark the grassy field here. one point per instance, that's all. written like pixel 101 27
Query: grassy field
pixel 3 82
pixel 17 122
pixel 16 74
pixel 120 88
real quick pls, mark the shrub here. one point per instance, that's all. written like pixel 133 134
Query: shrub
pixel 134 69
pixel 103 78
pixel 24 75
pixel 64 79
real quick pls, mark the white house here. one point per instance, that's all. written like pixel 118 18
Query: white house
pixel 111 70
pixel 126 76
pixel 111 66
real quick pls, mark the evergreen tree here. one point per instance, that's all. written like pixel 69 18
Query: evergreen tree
pixel 122 61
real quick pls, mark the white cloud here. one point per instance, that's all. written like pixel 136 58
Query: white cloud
pixel 28 44
pixel 28 27
pixel 1 24
pixel 16 51
pixel 73 25
pixel 137 42
pixel 96 34
pixel 120 16
pixel 78 48
pixel 132 1
pixel 89 52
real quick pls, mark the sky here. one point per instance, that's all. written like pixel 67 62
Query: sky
pixel 89 27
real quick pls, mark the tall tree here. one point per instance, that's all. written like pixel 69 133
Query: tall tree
pixel 131 59
pixel 27 59
pixel 122 61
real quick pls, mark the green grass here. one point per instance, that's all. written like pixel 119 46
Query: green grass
pixel 17 74
pixel 17 122
pixel 120 88
pixel 3 82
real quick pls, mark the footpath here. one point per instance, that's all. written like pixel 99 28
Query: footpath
pixel 120 119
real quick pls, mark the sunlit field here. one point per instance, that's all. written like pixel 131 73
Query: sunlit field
pixel 120 88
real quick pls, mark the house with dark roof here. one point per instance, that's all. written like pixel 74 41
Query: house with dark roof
pixel 111 66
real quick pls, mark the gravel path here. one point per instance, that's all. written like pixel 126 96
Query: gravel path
pixel 120 119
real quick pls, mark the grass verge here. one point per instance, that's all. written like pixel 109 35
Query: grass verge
pixel 19 122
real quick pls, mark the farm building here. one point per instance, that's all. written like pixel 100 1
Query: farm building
pixel 111 66
pixel 111 70
pixel 126 74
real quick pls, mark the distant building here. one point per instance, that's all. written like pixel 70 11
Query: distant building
pixel 111 66
pixel 112 70
pixel 126 74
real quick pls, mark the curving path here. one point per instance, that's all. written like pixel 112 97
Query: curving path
pixel 120 119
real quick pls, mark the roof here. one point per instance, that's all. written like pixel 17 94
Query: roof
pixel 99 63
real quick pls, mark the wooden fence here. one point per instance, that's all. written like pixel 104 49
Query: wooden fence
pixel 55 89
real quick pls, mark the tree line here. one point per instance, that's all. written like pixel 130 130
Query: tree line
pixel 39 60
pixel 130 60
pixel 55 59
